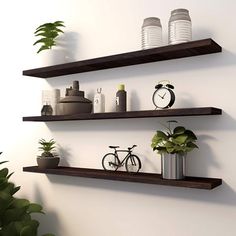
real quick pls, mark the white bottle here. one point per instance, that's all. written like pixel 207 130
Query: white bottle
pixel 99 102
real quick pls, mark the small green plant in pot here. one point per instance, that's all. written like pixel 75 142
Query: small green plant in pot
pixel 48 158
pixel 173 145
pixel 48 33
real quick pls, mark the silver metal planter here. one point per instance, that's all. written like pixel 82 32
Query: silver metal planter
pixel 173 166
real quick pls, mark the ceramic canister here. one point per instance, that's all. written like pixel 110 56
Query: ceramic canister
pixel 151 33
pixel 180 26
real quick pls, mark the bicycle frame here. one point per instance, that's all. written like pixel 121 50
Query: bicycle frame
pixel 116 154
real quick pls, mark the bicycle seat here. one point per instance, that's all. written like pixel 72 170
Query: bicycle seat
pixel 114 146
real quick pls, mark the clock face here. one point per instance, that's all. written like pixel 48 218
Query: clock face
pixel 163 98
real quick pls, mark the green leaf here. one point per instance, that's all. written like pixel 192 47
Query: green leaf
pixel 3 172
pixel 28 231
pixel 2 162
pixel 9 230
pixel 14 214
pixel 16 189
pixel 43 48
pixel 3 182
pixel 33 207
pixel 8 177
pixel 179 130
pixel 181 139
pixel 191 134
pixel 161 135
pixel 20 203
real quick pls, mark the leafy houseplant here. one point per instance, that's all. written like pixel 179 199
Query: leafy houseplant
pixel 179 140
pixel 48 159
pixel 173 147
pixel 15 213
pixel 48 32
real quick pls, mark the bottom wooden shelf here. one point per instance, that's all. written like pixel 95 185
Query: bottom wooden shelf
pixel 148 178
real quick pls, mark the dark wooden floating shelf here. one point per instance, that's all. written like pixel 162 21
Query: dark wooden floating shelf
pixel 189 49
pixel 199 111
pixel 148 178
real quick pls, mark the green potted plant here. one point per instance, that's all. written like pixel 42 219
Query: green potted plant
pixel 48 33
pixel 16 213
pixel 173 145
pixel 48 158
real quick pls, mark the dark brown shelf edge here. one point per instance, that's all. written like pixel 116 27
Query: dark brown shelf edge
pixel 198 111
pixel 188 49
pixel 147 178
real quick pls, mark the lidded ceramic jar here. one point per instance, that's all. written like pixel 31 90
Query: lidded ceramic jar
pixel 74 101
pixel 180 26
pixel 151 33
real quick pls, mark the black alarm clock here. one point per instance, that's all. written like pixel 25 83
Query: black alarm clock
pixel 163 97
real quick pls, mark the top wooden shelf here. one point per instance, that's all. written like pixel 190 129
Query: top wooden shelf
pixel 189 49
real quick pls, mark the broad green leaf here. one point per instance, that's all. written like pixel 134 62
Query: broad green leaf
pixel 9 230
pixel 192 145
pixel 179 130
pixel 170 149
pixel 14 214
pixel 28 231
pixel 181 139
pixel 19 203
pixel 33 207
pixel 161 135
pixel 191 134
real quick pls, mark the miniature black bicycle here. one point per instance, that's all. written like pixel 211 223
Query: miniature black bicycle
pixel 112 162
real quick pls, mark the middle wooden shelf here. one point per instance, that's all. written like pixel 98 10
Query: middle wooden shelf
pixel 198 111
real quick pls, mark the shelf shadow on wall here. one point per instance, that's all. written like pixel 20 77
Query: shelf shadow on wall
pixel 49 216
pixel 223 194
pixel 192 64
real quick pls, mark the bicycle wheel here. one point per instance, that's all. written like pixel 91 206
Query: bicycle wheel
pixel 133 164
pixel 110 162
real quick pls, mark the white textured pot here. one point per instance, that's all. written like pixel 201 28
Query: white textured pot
pixel 52 57
pixel 173 166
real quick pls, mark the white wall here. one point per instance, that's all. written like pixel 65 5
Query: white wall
pixel 88 207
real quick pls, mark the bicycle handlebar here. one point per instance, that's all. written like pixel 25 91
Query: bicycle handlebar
pixel 132 147
pixel 129 148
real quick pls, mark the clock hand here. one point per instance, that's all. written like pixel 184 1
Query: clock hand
pixel 164 95
pixel 160 96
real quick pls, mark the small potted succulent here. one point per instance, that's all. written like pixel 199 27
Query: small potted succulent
pixel 48 33
pixel 173 147
pixel 48 158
